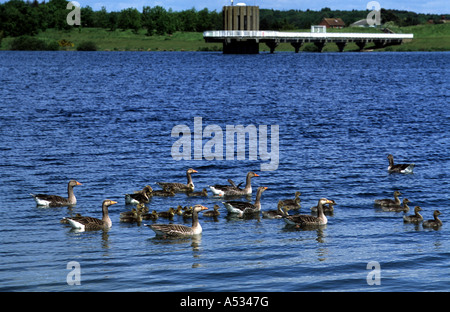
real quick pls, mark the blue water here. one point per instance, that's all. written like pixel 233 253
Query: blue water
pixel 105 119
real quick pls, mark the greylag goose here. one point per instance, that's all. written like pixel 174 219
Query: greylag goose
pixel 64 220
pixel 399 168
pixel 131 216
pixel 240 208
pixel 187 212
pixel 398 208
pixel 55 200
pixel 179 210
pixel 150 216
pixel 305 220
pixel 135 215
pixel 204 193
pixel 177 230
pixel 233 190
pixel 167 214
pixel 433 223
pixel 163 193
pixel 212 213
pixel 291 203
pixel 179 187
pixel 415 218
pixel 90 223
pixel 326 208
pixel 140 197
pixel 389 202
pixel 276 214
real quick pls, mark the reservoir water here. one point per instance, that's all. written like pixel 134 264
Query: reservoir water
pixel 105 119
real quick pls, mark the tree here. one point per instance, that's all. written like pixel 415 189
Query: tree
pixel 130 19
pixel 158 20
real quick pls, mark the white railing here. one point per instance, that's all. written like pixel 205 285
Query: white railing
pixel 263 34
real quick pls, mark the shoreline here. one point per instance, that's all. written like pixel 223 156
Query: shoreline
pixel 427 38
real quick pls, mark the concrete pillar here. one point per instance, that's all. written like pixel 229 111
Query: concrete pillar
pixel 297 45
pixel 360 44
pixel 272 45
pixel 320 45
pixel 341 45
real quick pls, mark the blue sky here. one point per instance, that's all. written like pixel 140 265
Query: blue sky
pixel 419 6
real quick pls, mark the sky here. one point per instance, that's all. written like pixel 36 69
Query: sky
pixel 418 6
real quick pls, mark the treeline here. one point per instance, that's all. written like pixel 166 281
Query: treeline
pixel 295 19
pixel 19 18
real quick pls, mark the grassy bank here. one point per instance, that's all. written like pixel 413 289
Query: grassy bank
pixel 426 38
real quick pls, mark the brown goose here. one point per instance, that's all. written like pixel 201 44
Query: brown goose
pixel 55 200
pixel 326 209
pixel 291 203
pixel 305 220
pixel 399 168
pixel 179 210
pixel 212 213
pixel 433 223
pixel 139 197
pixel 177 230
pixel 91 224
pixel 150 216
pixel 179 187
pixel 276 214
pixel 233 190
pixel 187 212
pixel 167 214
pixel 204 193
pixel 415 218
pixel 389 202
pixel 64 220
pixel 398 208
pixel 163 193
pixel 240 208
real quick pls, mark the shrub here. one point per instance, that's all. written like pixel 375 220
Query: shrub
pixel 87 46
pixel 310 48
pixel 27 43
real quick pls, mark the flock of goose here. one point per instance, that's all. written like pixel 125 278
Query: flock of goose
pixel 234 207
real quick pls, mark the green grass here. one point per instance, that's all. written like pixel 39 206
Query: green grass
pixel 426 38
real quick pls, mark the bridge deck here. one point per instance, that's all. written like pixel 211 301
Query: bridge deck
pixel 262 36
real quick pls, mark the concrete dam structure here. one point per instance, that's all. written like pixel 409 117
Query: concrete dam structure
pixel 241 34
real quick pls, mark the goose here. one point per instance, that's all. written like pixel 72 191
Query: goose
pixel 167 214
pixel 55 200
pixel 398 208
pixel 180 187
pixel 326 209
pixel 177 230
pixel 131 217
pixel 389 202
pixel 140 197
pixel 291 203
pixel 433 223
pixel 150 216
pixel 233 190
pixel 204 193
pixel 90 223
pixel 187 212
pixel 179 210
pixel 276 214
pixel 64 220
pixel 415 218
pixel 126 214
pixel 163 193
pixel 212 213
pixel 240 208
pixel 399 168
pixel 305 220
